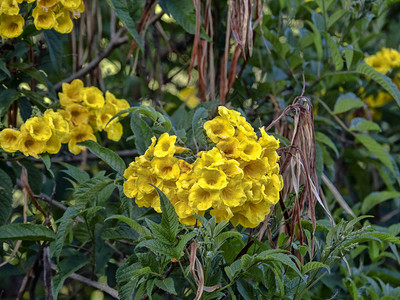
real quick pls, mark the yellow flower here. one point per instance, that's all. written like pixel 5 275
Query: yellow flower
pixel 118 104
pixel 391 56
pixel 71 4
pixel 11 26
pixel 9 7
pixel 146 178
pixel 114 131
pixel 185 167
pixel 219 128
pixel 254 169
pixel 130 188
pixel 233 195
pixel 38 128
pixel 222 213
pixel 9 140
pixel 229 114
pixel 230 167
pixel 250 214
pixel 202 199
pixel 72 92
pixel 80 133
pixel 185 181
pixel 267 141
pixel 46 3
pixel 150 151
pixel 53 145
pixel 183 210
pixel 249 150
pixel 29 146
pixel 165 146
pixel 273 185
pixel 93 97
pixel 43 18
pixel 208 159
pixel 378 62
pixel 149 200
pixel 63 22
pixel 166 168
pixel 212 179
pixel 244 130
pixel 229 147
pixel 189 96
pixel 58 124
pixel 79 114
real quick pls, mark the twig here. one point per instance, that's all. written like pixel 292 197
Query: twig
pixel 102 287
pixel 115 41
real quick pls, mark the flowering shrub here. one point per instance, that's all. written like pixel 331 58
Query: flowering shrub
pixel 384 60
pixel 47 14
pixel 83 112
pixel 238 179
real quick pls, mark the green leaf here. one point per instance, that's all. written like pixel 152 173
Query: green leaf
pixel 3 67
pixel 317 39
pixel 385 237
pixel 336 56
pixel 197 125
pixel 221 238
pixel 106 155
pixel 160 233
pixel 55 45
pixel 349 54
pixel 336 16
pixel 360 124
pixel 7 97
pixel 159 248
pixel 121 10
pixel 381 79
pixel 63 229
pixel 141 230
pixel 75 173
pixel 166 284
pixel 183 13
pixel 66 267
pixel 6 195
pixel 142 132
pixel 320 137
pixel 169 219
pixel 285 259
pixel 26 232
pixel 47 163
pixel 376 149
pixel 347 102
pixel 377 197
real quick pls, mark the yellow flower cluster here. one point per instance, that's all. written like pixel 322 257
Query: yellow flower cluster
pixel 37 135
pixel 47 14
pixel 384 60
pixel 238 179
pixel 87 111
pixel 84 111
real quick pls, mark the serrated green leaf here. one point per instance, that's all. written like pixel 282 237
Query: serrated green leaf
pixel 75 173
pixel 7 96
pixel 184 240
pixel 160 233
pixel 63 229
pixel 66 267
pixel 349 54
pixel 221 238
pixel 142 132
pixel 197 125
pixel 336 56
pixel 319 136
pixel 141 230
pixel 26 232
pixel 347 102
pixel 159 248
pixel 376 149
pixel 88 190
pixel 381 79
pixel 121 10
pixel 385 237
pixel 167 285
pixel 377 197
pixel 350 224
pixel 313 265
pixel 183 13
pixel 336 16
pixel 169 219
pixel 6 194
pixel 285 259
pixel 360 124
pixel 106 155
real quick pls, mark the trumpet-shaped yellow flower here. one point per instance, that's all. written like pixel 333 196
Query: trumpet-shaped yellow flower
pixel 229 147
pixel 9 140
pixel 202 199
pixel 233 194
pixel 166 168
pixel 219 128
pixel 189 96
pixel 63 22
pixel 222 213
pixel 93 97
pixel 30 146
pixel 165 146
pixel 145 179
pixel 38 128
pixel 114 131
pixel 73 91
pixel 250 214
pixel 58 124
pixel 208 159
pixel 117 104
pixel 79 114
pixel 229 114
pixel 392 56
pixel 212 179
pixel 43 18
pixel 53 145
pixel 254 168
pixel 378 62
pixel 9 7
pixel 230 167
pixel 80 133
pixel 249 150
pixel 130 187
pixel 46 3
pixel 150 150
pixel 71 4
pixel 11 26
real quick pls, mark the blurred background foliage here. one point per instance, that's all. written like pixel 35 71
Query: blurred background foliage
pixel 254 56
